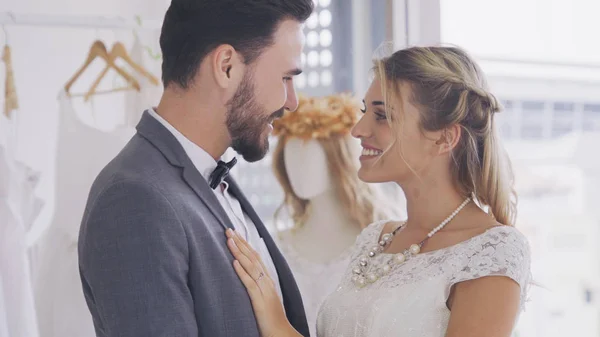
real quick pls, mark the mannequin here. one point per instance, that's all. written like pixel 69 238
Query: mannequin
pixel 315 162
pixel 314 183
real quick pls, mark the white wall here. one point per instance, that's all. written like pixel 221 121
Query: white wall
pixel 541 30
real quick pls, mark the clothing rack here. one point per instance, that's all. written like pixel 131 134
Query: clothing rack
pixel 92 22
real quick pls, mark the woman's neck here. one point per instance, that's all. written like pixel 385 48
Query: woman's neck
pixel 429 204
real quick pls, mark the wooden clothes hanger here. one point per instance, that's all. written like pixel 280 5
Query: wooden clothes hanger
pixel 98 49
pixel 11 102
pixel 119 51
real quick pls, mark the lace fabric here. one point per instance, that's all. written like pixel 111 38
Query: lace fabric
pixel 410 301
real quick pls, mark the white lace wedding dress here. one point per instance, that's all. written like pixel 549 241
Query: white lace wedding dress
pixel 411 300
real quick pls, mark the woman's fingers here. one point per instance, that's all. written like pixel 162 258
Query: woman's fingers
pixel 251 267
pixel 245 247
pixel 248 281
pixel 247 250
pixel 266 303
pixel 237 246
pixel 249 259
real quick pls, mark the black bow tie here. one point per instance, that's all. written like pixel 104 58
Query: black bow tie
pixel 220 173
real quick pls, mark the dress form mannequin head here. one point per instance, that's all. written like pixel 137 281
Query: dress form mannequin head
pixel 306 181
pixel 315 154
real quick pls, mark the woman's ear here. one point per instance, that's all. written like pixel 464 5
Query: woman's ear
pixel 449 139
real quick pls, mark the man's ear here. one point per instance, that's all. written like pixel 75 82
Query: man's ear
pixel 224 63
pixel 449 139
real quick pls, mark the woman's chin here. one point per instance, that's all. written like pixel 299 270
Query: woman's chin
pixel 366 175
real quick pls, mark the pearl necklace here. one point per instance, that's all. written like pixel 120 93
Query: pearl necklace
pixel 363 274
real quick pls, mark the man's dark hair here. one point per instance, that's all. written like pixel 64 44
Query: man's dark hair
pixel 193 28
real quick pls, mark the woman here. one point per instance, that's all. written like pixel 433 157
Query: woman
pixel 457 266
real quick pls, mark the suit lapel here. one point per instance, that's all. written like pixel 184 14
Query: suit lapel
pixel 200 186
pixel 291 294
pixel 153 131
pixel 247 207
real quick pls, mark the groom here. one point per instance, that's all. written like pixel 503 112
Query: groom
pixel 152 248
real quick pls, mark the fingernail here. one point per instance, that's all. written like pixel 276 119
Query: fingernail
pixel 229 231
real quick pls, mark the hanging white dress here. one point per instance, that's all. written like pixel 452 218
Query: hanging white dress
pixel 3 313
pixel 82 151
pixel 19 207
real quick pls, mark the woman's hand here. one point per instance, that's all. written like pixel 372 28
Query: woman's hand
pixel 268 310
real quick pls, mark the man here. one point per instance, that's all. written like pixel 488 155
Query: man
pixel 152 248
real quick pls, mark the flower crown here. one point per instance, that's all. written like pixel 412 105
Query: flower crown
pixel 319 117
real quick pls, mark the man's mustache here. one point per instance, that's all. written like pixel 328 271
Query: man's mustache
pixel 276 114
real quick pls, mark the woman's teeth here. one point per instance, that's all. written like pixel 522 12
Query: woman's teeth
pixel 370 152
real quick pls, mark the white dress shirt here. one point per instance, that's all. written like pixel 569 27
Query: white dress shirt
pixel 242 223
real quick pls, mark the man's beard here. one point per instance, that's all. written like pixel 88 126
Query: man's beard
pixel 246 121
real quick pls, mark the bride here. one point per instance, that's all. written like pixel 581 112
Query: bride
pixel 457 266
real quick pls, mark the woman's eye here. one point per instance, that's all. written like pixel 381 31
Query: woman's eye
pixel 380 116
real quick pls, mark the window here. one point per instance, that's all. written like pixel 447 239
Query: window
pixel 544 69
pixel 591 116
pixel 532 119
pixel 318 57
pixel 546 119
pixel 563 118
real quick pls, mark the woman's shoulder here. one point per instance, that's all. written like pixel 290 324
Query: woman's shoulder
pixel 502 238
pixel 501 250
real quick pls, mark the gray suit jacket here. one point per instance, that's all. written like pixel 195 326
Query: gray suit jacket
pixel 153 258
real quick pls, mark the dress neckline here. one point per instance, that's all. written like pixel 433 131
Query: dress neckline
pixel 381 226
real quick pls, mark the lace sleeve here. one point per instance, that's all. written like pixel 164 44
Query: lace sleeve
pixel 502 251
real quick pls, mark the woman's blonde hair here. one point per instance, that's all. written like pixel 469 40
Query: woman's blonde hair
pixel 450 89
pixel 363 202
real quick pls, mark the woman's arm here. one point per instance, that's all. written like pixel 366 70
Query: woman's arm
pixel 268 310
pixel 487 306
